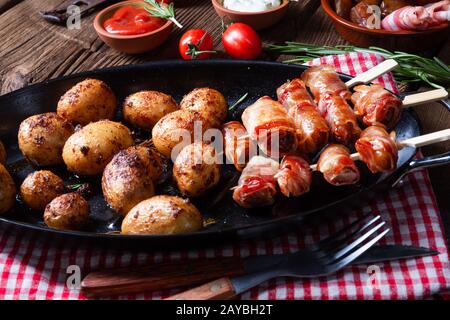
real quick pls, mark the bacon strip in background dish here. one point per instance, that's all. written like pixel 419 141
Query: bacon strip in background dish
pixel 312 129
pixel 377 106
pixel 324 79
pixel 237 144
pixel 295 176
pixel 257 185
pixel 340 118
pixel 418 17
pixel 269 124
pixel 377 149
pixel 337 167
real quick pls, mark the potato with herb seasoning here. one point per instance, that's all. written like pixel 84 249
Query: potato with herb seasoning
pixel 88 151
pixel 176 127
pixel 162 215
pixel 210 103
pixel 39 188
pixel 196 169
pixel 144 109
pixel 88 101
pixel 42 137
pixel 130 176
pixel 69 211
pixel 7 190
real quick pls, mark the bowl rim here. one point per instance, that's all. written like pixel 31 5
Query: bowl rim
pixel 333 15
pixel 101 30
pixel 217 4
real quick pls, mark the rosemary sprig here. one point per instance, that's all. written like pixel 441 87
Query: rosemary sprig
pixel 74 186
pixel 162 11
pixel 239 101
pixel 411 69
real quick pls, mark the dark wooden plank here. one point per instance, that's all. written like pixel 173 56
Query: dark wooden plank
pixel 39 50
pixel 7 4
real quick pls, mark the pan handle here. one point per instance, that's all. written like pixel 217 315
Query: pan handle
pixel 426 162
pixel 445 103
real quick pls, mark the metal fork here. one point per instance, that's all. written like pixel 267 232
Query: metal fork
pixel 324 258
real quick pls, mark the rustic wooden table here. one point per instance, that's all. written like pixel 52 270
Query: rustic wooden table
pixel 32 50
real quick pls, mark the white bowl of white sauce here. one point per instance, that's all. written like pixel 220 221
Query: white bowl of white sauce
pixel 259 14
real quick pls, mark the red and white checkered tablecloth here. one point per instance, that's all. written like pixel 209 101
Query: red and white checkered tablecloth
pixel 31 268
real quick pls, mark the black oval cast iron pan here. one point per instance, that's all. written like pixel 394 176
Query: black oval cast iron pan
pixel 225 219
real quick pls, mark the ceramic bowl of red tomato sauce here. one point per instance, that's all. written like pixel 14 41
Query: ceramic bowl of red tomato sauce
pixel 129 28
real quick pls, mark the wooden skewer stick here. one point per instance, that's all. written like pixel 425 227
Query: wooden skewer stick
pixel 373 73
pixel 424 97
pixel 416 142
pixel 408 101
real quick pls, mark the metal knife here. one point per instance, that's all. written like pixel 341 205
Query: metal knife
pixel 193 272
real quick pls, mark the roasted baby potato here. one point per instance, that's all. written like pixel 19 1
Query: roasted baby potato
pixel 162 215
pixel 69 211
pixel 88 101
pixel 196 169
pixel 178 127
pixel 7 190
pixel 41 187
pixel 42 137
pixel 144 109
pixel 210 103
pixel 2 153
pixel 129 177
pixel 88 151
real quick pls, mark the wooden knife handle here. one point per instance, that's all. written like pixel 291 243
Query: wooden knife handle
pixel 159 276
pixel 220 289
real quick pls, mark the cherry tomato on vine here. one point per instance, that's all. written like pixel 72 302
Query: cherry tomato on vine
pixel 196 44
pixel 241 41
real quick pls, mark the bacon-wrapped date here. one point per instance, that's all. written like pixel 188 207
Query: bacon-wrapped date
pixel 269 124
pixel 418 17
pixel 257 185
pixel 366 15
pixel 312 129
pixel 377 149
pixel 389 6
pixel 337 167
pixel 376 106
pixel 295 176
pixel 237 144
pixel 340 118
pixel 343 8
pixel 323 79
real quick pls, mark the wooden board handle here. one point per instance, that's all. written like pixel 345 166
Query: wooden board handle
pixel 159 276
pixel 220 289
pixel 373 73
pixel 424 97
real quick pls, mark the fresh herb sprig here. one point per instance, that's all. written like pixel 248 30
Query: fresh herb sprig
pixel 162 11
pixel 411 69
pixel 74 186
pixel 238 102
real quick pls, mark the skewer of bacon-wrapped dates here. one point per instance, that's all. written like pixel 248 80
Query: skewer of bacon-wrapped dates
pixel 257 185
pixel 237 144
pixel 377 149
pixel 312 129
pixel 376 106
pixel 331 95
pixel 337 166
pixel 323 79
pixel 269 124
pixel 295 176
